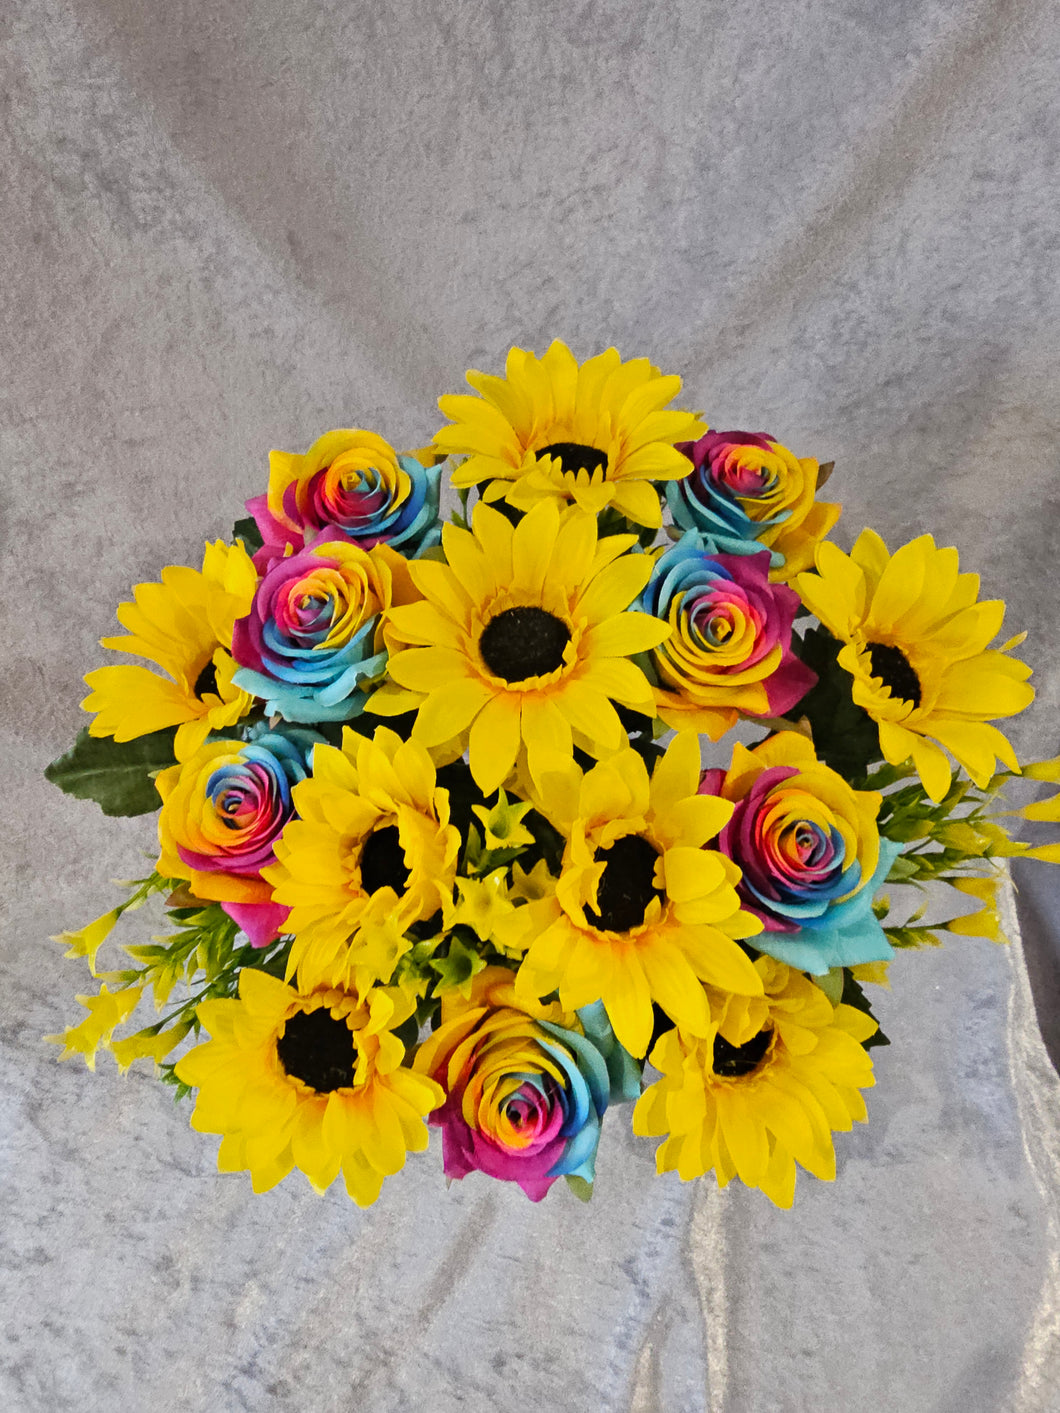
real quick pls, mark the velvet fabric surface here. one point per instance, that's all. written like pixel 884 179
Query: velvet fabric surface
pixel 231 225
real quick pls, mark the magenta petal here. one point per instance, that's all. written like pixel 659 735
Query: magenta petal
pixel 711 782
pixel 535 1188
pixel 260 921
pixel 789 684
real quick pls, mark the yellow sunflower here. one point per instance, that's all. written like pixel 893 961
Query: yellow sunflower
pixel 523 640
pixel 596 433
pixel 371 853
pixel 310 1080
pixel 641 912
pixel 184 625
pixel 916 644
pixel 764 1088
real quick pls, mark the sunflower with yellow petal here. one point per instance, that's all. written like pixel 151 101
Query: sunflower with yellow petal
pixel 596 433
pixel 763 1089
pixel 642 912
pixel 916 644
pixel 371 852
pixel 523 641
pixel 184 626
pixel 311 1080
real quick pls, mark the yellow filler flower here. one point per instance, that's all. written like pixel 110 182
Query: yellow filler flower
pixel 763 1089
pixel 642 912
pixel 184 625
pixel 523 641
pixel 595 433
pixel 310 1080
pixel 916 644
pixel 372 852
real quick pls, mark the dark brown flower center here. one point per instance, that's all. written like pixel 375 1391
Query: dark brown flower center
pixel 318 1049
pixel 893 668
pixel 627 885
pixel 523 642
pixel 736 1061
pixel 575 456
pixel 383 862
pixel 206 681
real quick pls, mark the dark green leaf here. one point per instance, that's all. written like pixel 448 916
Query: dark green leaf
pixel 582 1190
pixel 247 531
pixel 117 775
pixel 463 793
pixel 167 1074
pixel 844 735
pixel 408 1032
pixel 549 840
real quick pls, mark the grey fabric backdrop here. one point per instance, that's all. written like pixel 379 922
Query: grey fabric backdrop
pixel 229 226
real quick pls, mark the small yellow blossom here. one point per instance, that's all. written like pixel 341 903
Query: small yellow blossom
pixel 502 825
pixel 149 1044
pixel 986 920
pixel 1002 846
pixel 529 887
pixel 958 834
pixel 106 1011
pixel 483 905
pixel 1047 770
pixel 87 941
pixel 874 972
pixel 1044 811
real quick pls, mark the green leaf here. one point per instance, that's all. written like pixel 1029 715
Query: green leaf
pixel 550 842
pixel 457 968
pixel 912 937
pixel 907 828
pixel 247 531
pixel 844 735
pixel 903 869
pixel 463 792
pixel 116 774
pixel 831 983
pixel 167 1074
pixel 887 775
pixel 491 859
pixel 582 1190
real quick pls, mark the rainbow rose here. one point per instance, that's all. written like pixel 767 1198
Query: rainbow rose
pixel 746 491
pixel 811 854
pixel 525 1090
pixel 313 639
pixel 349 485
pixel 730 649
pixel 223 810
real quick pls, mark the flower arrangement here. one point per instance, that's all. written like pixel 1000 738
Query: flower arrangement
pixel 436 842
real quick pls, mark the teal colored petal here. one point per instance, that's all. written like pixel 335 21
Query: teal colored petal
pixel 588 1064
pixel 818 951
pixel 623 1071
pixel 294 706
pixel 580 1158
pixel 579 1099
